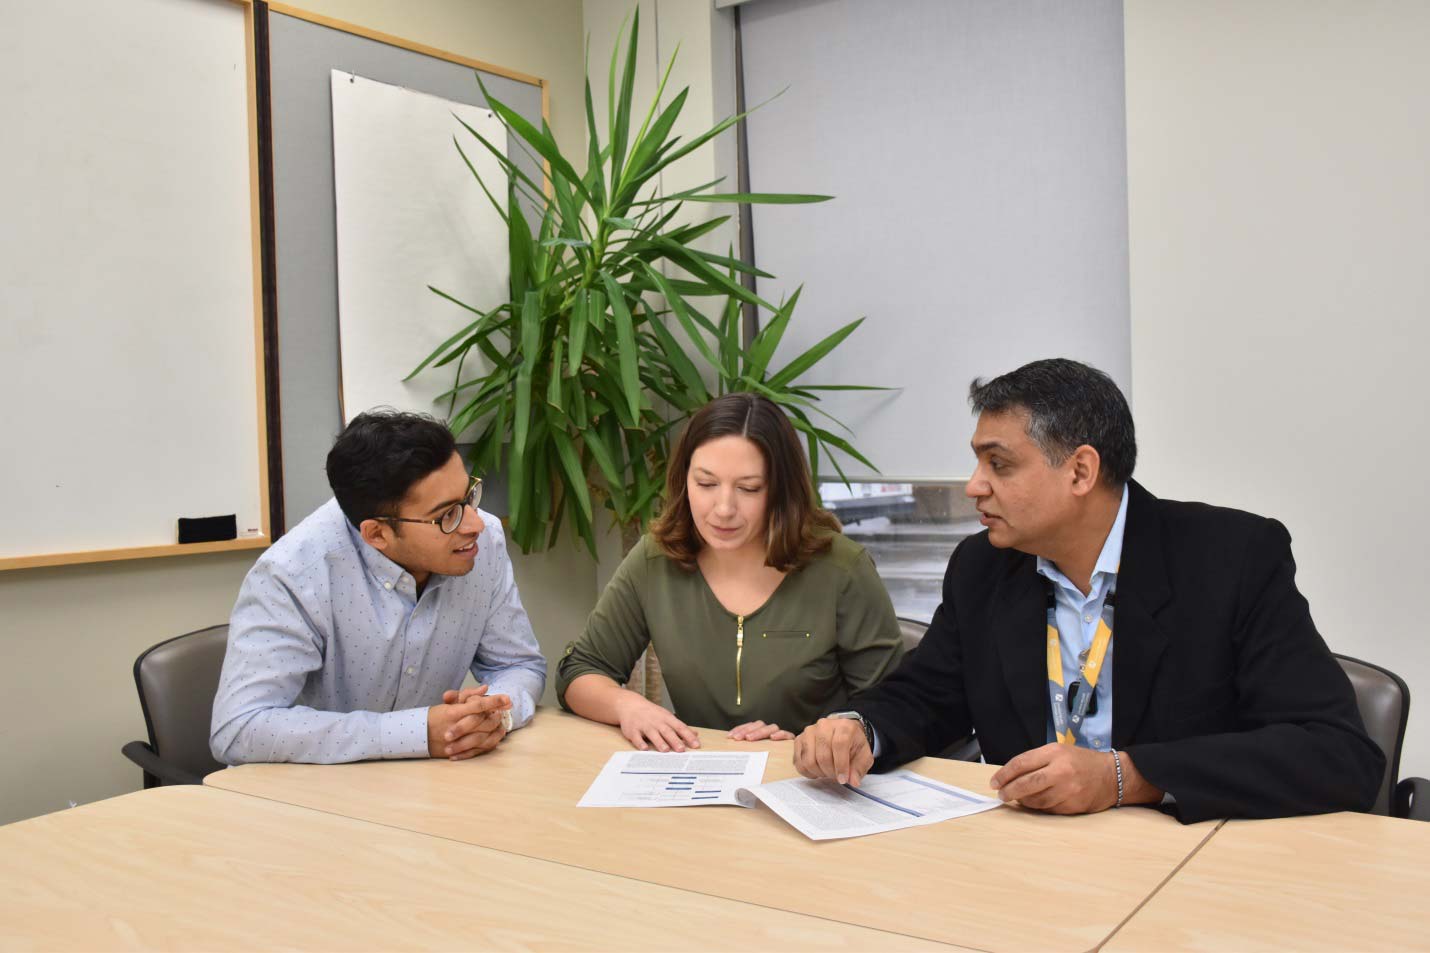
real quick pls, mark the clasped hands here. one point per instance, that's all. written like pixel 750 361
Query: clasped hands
pixel 1058 779
pixel 466 724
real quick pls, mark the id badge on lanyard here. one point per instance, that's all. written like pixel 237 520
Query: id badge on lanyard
pixel 1068 721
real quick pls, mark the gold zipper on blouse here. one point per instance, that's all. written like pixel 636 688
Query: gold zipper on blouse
pixel 739 651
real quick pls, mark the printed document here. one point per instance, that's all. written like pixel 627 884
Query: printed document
pixel 826 809
pixel 674 779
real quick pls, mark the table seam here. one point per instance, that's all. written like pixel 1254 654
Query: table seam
pixel 562 863
pixel 1165 880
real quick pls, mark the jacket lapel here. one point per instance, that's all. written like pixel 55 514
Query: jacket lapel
pixel 1139 639
pixel 1021 640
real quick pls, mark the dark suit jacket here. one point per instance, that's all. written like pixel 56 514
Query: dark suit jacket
pixel 1224 694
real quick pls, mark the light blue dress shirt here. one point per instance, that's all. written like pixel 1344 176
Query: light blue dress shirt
pixel 1077 617
pixel 333 656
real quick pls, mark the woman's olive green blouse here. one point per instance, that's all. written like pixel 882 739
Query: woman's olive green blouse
pixel 829 630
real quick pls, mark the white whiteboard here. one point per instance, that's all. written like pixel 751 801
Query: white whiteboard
pixel 129 369
pixel 410 215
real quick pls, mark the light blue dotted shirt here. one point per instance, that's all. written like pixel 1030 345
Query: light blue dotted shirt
pixel 1077 616
pixel 332 655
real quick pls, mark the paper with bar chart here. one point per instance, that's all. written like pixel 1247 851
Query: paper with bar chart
pixel 826 809
pixel 674 779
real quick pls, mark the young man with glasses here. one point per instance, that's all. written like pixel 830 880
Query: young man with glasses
pixel 352 634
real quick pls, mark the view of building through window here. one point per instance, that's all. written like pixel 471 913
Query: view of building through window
pixel 910 529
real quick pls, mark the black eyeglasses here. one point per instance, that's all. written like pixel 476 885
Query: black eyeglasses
pixel 451 518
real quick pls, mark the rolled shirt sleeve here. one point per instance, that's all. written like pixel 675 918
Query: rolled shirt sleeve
pixel 508 657
pixel 616 632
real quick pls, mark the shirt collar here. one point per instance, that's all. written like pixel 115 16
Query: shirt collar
pixel 385 572
pixel 1107 561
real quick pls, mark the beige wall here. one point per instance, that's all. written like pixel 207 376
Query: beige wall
pixel 1280 220
pixel 70 634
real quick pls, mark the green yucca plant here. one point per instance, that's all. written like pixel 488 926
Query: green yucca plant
pixel 589 374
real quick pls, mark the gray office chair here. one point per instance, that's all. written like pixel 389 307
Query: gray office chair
pixel 177 680
pixel 967 749
pixel 1384 702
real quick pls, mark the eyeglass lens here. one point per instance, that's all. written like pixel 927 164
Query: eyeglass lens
pixel 453 517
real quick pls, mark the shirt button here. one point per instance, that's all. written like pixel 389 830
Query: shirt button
pixel 411 671
pixel 387 585
pixel 1087 618
pixel 1096 742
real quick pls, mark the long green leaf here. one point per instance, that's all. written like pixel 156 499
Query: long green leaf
pixel 730 340
pixel 442 348
pixel 542 143
pixel 597 312
pixel 514 173
pixel 609 387
pixel 620 129
pixel 519 249
pixel 611 81
pixel 734 264
pixel 709 134
pixel 760 198
pixel 693 264
pixel 679 196
pixel 577 333
pixel 607 464
pixel 625 345
pixel 555 382
pixel 763 347
pixel 595 172
pixel 476 175
pixel 682 314
pixel 648 149
pixel 530 342
pixel 657 137
pixel 571 464
pixel 812 356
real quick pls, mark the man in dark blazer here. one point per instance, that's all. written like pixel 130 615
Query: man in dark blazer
pixel 1220 699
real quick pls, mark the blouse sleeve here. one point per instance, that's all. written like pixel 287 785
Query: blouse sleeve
pixel 870 643
pixel 616 632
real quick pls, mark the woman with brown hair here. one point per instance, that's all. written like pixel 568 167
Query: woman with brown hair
pixel 765 617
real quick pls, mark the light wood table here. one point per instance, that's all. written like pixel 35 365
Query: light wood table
pixel 1005 879
pixel 1333 882
pixel 193 869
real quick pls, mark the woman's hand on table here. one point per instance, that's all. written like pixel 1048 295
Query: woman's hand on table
pixel 646 725
pixel 759 731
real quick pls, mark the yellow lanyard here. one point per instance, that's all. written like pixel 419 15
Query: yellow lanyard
pixel 1066 722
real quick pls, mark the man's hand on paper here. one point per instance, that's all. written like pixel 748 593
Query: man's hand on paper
pixel 646 725
pixel 1059 779
pixel 759 731
pixel 466 724
pixel 833 748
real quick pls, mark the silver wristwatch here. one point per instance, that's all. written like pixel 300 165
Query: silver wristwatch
pixel 863 723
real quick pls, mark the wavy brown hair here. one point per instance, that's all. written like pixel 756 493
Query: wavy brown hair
pixel 797 528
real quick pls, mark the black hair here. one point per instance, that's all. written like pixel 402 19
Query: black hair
pixel 1068 404
pixel 380 455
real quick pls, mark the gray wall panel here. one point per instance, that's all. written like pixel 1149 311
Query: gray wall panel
pixel 977 152
pixel 302 54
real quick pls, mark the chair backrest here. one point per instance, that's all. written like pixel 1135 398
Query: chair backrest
pixel 1384 702
pixel 177 680
pixel 913 631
